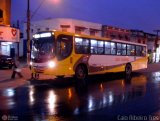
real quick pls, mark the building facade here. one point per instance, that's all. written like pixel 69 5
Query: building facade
pixel 9 36
pixel 94 29
pixel 151 42
pixel 66 25
pixel 5 14
pixel 115 33
pixel 138 36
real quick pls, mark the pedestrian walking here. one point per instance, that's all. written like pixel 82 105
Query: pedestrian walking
pixel 16 69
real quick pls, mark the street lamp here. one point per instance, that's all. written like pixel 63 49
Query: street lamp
pixel 28 32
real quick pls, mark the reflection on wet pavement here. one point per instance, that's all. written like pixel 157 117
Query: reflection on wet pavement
pixel 104 97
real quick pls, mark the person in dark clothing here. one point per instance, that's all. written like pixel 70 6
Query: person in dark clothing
pixel 16 70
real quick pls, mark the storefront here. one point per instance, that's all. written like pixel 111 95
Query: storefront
pixel 9 41
pixel 156 54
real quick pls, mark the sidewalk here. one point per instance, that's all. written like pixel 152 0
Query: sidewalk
pixel 153 67
pixel 7 82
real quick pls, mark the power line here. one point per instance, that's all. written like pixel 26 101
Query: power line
pixel 157 31
pixel 37 9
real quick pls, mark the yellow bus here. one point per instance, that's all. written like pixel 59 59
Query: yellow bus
pixel 63 53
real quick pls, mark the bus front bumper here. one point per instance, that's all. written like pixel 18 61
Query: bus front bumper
pixel 57 71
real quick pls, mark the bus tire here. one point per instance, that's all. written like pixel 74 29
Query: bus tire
pixel 128 69
pixel 60 77
pixel 81 72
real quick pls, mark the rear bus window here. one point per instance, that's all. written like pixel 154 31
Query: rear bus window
pixel 130 50
pixel 140 51
pixel 144 51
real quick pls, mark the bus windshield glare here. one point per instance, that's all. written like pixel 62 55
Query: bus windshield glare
pixel 43 49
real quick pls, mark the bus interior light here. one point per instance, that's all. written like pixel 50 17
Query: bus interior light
pixel 45 34
pixel 36 36
pixel 42 35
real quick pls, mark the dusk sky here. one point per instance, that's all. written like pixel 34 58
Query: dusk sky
pixel 129 14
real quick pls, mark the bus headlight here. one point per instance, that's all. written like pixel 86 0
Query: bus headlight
pixel 31 63
pixel 51 64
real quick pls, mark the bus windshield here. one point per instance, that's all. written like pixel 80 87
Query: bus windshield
pixel 43 49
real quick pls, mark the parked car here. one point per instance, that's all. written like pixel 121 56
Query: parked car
pixel 6 61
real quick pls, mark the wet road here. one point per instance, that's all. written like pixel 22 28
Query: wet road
pixel 104 97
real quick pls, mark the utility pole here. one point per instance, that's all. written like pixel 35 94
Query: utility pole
pixel 156 42
pixel 28 32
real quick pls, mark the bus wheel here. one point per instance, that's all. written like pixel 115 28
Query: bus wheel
pixel 128 69
pixel 81 72
pixel 60 77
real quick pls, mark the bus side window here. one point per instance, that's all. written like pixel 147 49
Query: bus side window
pixel 119 49
pixel 124 47
pixel 100 47
pixel 78 45
pixel 133 50
pixel 85 44
pixel 128 49
pixel 93 47
pixel 107 47
pixel 81 45
pixel 113 48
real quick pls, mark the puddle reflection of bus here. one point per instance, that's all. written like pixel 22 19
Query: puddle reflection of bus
pixel 114 92
pixel 74 100
pixel 62 54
